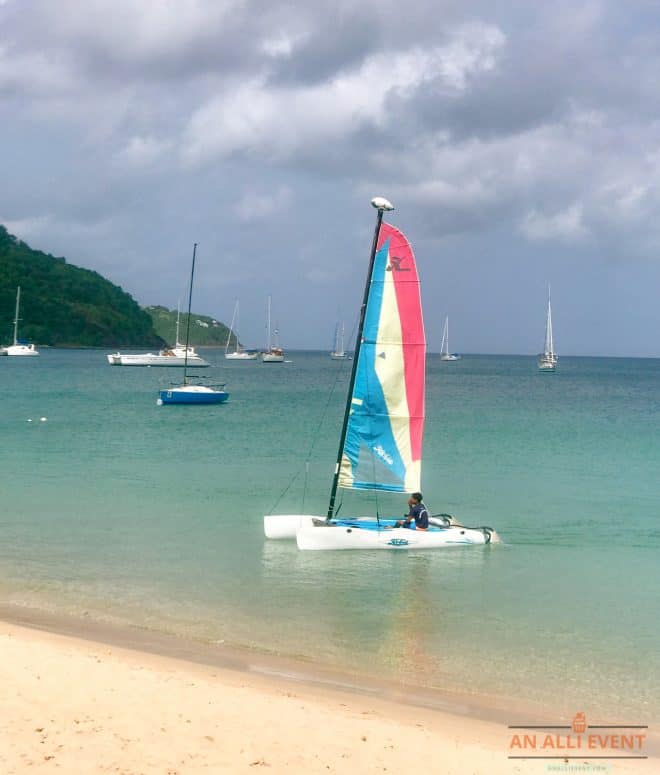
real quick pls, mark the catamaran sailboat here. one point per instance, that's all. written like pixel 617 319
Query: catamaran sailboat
pixel 445 355
pixel 273 353
pixel 339 354
pixel 380 445
pixel 547 360
pixel 190 393
pixel 172 356
pixel 239 354
pixel 18 348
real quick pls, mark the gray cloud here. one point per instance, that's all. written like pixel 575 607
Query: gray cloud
pixel 521 144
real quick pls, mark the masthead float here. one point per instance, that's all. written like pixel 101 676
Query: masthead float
pixel 380 444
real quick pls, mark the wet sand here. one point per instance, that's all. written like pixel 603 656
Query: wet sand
pixel 82 697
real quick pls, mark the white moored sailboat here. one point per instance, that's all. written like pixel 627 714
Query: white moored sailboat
pixel 18 348
pixel 380 446
pixel 339 354
pixel 239 353
pixel 273 353
pixel 179 355
pixel 547 360
pixel 445 355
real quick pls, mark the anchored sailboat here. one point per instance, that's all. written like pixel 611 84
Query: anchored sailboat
pixel 171 356
pixel 339 354
pixel 239 354
pixel 18 348
pixel 445 355
pixel 189 393
pixel 547 360
pixel 380 446
pixel 273 353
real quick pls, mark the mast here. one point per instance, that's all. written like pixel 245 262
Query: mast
pixel 178 315
pixel 16 318
pixel 237 344
pixel 231 327
pixel 381 205
pixel 192 275
pixel 549 344
pixel 444 345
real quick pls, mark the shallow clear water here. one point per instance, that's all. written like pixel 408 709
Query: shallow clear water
pixel 153 515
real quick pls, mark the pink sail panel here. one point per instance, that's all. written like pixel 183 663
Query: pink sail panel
pixel 413 342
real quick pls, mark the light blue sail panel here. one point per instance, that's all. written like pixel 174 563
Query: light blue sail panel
pixel 378 452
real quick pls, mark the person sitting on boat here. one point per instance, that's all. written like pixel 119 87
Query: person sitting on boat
pixel 417 514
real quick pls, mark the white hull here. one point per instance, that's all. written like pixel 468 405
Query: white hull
pixel 339 356
pixel 272 358
pixel 285 526
pixel 241 356
pixel 315 538
pixel 156 359
pixel 20 349
pixel 310 535
pixel 547 363
pixel 445 357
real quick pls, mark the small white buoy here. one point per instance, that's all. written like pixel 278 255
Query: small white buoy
pixel 43 419
pixel 29 419
pixel 159 402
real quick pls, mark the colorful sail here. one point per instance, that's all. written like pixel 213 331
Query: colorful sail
pixel 383 447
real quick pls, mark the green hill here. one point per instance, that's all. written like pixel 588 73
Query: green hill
pixel 204 331
pixel 65 305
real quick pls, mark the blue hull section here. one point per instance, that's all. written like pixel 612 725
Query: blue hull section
pixel 176 397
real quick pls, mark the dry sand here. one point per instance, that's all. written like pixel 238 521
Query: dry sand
pixel 78 707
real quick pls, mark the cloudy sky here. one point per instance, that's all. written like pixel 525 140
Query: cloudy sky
pixel 520 143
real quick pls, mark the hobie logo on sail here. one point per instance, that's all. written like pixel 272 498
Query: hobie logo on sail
pixel 395 265
pixel 382 454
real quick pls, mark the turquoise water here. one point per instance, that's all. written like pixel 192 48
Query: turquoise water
pixel 134 513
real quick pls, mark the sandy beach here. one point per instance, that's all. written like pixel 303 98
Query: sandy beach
pixel 72 705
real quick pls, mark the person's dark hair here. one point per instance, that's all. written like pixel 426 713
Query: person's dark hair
pixel 417 496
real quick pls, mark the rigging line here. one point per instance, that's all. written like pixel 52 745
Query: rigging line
pixel 305 485
pixel 312 445
pixel 341 370
pixel 341 503
pixel 284 491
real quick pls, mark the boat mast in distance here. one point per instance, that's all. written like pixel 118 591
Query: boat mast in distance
pixel 445 355
pixel 547 360
pixel 192 393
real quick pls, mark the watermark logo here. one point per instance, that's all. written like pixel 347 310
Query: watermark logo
pixel 580 740
pixel 579 723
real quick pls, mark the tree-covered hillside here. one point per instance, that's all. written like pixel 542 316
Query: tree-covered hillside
pixel 203 329
pixel 65 305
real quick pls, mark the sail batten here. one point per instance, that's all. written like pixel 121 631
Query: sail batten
pixel 383 445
